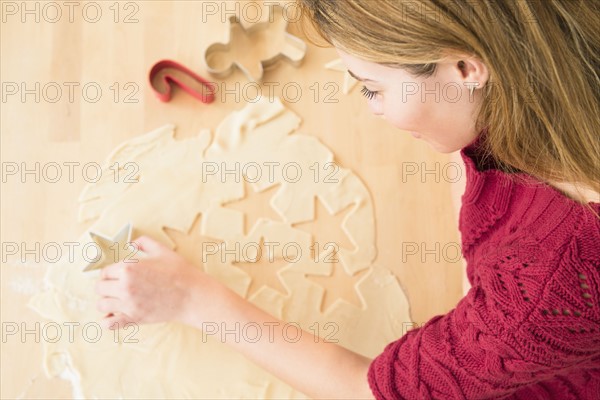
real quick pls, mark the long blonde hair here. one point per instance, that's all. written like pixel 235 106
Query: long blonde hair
pixel 540 108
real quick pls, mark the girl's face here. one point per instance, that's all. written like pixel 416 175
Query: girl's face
pixel 438 109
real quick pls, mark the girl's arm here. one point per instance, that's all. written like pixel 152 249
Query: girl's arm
pixel 135 292
pixel 313 366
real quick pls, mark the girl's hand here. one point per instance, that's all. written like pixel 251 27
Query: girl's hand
pixel 161 287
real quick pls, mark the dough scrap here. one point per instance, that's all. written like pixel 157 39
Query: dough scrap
pixel 172 191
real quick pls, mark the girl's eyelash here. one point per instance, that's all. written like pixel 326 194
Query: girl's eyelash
pixel 369 94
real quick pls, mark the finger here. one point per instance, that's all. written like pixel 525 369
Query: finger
pixel 109 288
pixel 149 245
pixel 112 271
pixel 109 305
pixel 117 321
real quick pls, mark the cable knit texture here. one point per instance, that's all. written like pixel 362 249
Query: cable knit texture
pixel 529 327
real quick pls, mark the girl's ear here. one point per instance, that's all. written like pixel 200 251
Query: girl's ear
pixel 472 69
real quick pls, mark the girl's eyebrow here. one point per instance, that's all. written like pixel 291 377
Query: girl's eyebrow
pixel 359 78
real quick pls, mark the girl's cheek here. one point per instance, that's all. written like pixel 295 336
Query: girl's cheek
pixel 376 105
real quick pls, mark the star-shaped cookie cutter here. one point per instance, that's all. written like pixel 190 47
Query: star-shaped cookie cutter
pixel 115 249
pixel 221 58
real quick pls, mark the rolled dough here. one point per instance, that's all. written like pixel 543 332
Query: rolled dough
pixel 174 194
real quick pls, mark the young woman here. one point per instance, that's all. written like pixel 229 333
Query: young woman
pixel 526 125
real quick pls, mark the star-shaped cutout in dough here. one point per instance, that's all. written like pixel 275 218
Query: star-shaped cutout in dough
pixel 337 285
pixel 193 245
pixel 113 250
pixel 326 230
pixel 263 270
pixel 255 205
pixel 349 82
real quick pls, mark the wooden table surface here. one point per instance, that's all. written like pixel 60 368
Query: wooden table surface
pixel 54 58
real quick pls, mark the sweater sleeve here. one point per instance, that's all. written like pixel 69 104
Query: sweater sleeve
pixel 522 322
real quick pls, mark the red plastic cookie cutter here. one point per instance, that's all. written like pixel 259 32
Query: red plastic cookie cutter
pixel 164 94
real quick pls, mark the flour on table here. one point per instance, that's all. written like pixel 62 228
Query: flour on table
pixel 177 198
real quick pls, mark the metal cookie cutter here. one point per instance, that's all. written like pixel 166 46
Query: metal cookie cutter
pixel 254 49
pixel 114 249
pixel 205 92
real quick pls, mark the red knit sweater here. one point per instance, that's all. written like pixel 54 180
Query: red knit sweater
pixel 529 327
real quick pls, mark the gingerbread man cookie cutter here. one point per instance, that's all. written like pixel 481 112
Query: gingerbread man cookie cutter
pixel 254 49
